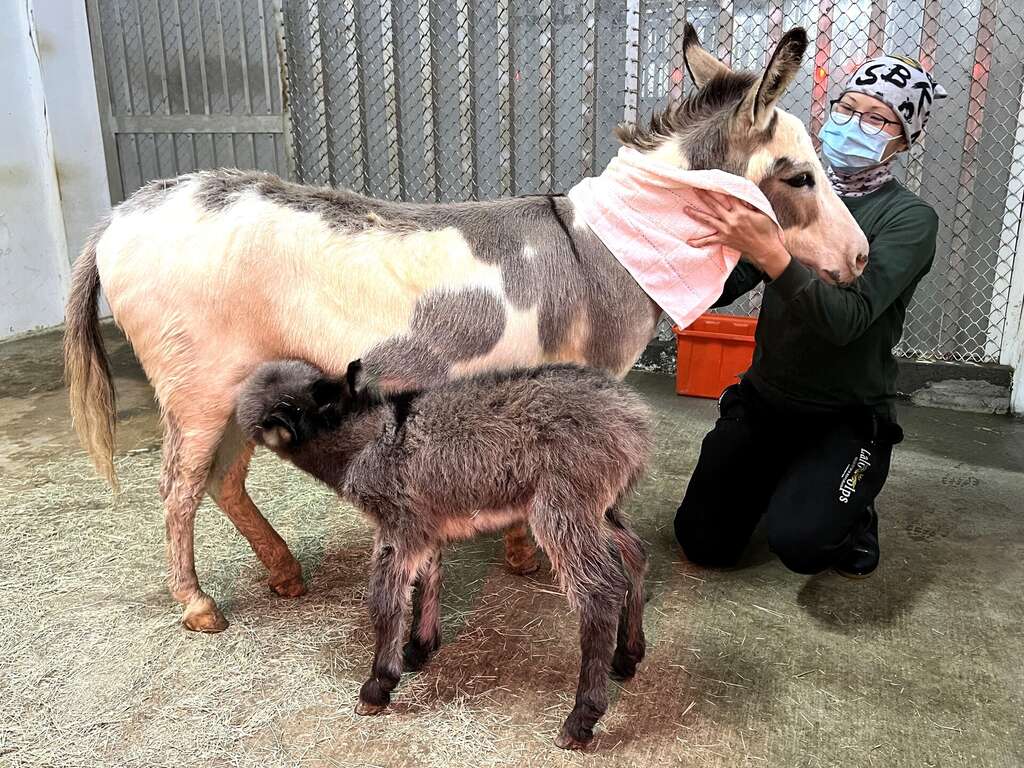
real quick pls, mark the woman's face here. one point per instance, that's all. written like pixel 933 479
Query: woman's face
pixel 875 113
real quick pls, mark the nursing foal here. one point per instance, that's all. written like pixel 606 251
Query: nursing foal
pixel 211 273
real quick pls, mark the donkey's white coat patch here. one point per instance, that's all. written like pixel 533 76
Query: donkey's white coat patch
pixel 518 343
pixel 241 277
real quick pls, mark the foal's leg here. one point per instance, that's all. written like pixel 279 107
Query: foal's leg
pixel 425 637
pixel 520 551
pixel 228 489
pixel 587 565
pixel 186 462
pixel 392 572
pixel 630 645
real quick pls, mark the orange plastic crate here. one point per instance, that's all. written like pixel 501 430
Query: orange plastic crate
pixel 712 352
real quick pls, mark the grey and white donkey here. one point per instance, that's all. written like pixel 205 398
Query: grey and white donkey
pixel 212 273
pixel 555 446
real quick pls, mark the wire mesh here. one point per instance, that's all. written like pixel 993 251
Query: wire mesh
pixel 458 100
pixel 466 99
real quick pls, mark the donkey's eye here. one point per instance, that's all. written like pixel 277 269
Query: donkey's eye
pixel 801 180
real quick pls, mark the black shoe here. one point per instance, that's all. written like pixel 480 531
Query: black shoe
pixel 862 559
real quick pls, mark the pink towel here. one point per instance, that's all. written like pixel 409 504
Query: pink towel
pixel 637 208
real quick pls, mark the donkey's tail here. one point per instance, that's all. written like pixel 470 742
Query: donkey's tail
pixel 86 367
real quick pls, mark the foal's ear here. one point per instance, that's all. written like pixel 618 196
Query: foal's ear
pixel 700 64
pixel 355 378
pixel 759 104
pixel 327 392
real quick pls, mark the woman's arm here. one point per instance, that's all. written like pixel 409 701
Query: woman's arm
pixel 900 254
pixel 745 277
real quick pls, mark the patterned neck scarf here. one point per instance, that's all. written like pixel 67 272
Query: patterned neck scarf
pixel 861 183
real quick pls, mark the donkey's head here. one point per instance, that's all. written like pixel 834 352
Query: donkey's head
pixel 731 122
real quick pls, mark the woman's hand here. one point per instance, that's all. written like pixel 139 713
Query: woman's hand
pixel 742 228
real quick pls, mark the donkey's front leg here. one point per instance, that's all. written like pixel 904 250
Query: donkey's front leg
pixel 425 635
pixel 520 551
pixel 392 571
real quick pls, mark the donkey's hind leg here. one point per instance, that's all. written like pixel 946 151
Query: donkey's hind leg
pixel 586 561
pixel 630 645
pixel 186 463
pixel 227 487
pixel 425 636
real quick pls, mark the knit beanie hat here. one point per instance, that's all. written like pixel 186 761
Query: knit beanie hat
pixel 903 85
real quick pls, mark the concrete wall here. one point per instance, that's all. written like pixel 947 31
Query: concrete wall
pixel 70 88
pixel 52 175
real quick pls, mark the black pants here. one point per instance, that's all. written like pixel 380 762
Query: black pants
pixel 812 477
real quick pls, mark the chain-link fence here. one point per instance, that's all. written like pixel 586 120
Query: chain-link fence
pixel 462 99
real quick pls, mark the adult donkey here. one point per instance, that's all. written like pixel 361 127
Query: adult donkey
pixel 212 273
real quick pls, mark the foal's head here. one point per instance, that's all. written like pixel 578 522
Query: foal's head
pixel 730 121
pixel 285 403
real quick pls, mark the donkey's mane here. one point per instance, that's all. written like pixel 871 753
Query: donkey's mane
pixel 721 92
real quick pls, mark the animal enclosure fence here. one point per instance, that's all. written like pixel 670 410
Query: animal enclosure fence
pixel 463 99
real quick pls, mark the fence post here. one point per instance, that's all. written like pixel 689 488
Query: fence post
pixel 1013 337
pixel 277 9
pixel 99 63
pixel 1011 350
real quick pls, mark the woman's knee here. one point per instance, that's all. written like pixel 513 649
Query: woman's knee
pixel 704 544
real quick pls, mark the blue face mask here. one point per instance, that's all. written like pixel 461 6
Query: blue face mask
pixel 848 148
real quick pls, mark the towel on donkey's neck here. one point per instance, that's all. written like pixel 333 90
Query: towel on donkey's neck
pixel 637 207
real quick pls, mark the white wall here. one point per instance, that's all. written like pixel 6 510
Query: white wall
pixel 33 246
pixel 52 174
pixel 70 88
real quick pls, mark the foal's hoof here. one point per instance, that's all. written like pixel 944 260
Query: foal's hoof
pixel 202 615
pixel 415 655
pixel 362 708
pixel 522 566
pixel 293 587
pixel 565 741
pixel 624 664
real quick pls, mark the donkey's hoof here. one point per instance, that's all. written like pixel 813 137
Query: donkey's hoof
pixel 522 565
pixel 202 615
pixel 567 741
pixel 362 708
pixel 293 587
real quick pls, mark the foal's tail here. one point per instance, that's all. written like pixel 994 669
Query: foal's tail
pixel 86 367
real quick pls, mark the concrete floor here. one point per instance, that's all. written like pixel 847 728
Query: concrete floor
pixel 918 666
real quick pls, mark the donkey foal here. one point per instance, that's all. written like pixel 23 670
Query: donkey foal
pixel 556 446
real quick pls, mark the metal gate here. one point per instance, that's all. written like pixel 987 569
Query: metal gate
pixel 187 84
pixel 460 99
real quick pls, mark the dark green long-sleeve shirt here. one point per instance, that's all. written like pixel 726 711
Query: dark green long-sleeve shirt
pixel 820 346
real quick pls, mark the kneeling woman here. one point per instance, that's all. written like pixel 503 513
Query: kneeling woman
pixel 806 437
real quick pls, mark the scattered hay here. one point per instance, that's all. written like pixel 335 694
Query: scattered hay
pixel 95 669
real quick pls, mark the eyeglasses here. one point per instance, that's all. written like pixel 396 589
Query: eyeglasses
pixel 872 124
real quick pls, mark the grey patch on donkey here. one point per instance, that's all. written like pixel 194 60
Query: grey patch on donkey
pixel 447 327
pixel 557 446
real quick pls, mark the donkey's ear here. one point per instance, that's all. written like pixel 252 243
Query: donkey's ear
pixel 327 392
pixel 700 64
pixel 759 104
